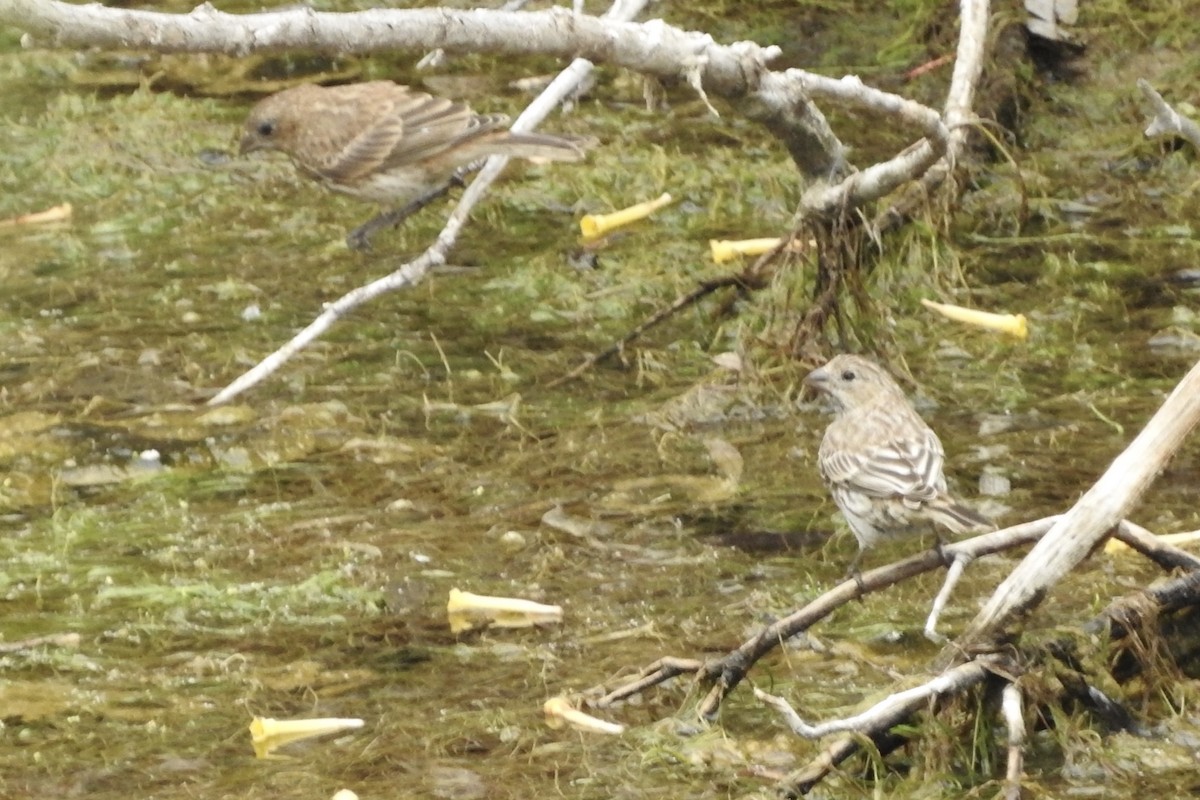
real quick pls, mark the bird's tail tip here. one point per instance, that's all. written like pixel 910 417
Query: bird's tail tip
pixel 539 147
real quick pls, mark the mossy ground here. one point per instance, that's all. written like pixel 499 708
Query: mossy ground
pixel 293 555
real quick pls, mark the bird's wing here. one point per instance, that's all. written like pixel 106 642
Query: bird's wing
pixel 345 132
pixel 392 127
pixel 433 125
pixel 906 467
pixel 367 151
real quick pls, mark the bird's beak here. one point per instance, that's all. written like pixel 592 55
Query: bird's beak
pixel 817 378
pixel 248 144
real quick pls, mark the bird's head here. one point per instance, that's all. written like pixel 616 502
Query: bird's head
pixel 269 125
pixel 852 381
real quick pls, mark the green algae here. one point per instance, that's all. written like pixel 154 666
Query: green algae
pixel 293 554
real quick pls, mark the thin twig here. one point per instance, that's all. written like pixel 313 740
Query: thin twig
pixel 953 575
pixel 691 298
pixel 876 723
pixel 752 277
pixel 1014 719
pixel 659 672
pixel 888 712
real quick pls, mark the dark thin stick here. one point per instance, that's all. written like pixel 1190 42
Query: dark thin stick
pixel 691 298
pixel 660 671
pixel 748 279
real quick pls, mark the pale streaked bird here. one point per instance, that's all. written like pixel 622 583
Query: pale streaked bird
pixel 880 461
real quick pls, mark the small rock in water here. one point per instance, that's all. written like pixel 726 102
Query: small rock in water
pixel 993 484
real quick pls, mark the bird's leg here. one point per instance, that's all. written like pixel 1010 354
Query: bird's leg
pixel 939 545
pixel 360 237
pixel 854 572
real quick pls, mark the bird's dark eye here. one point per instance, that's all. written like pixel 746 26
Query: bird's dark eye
pixel 848 375
pixel 266 128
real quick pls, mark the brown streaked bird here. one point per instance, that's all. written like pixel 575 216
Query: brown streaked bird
pixel 881 462
pixel 387 143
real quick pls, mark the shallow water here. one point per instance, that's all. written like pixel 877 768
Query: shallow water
pixel 290 555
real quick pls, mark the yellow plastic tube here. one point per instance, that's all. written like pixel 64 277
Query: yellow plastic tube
pixel 466 611
pixel 596 225
pixel 267 734
pixel 1012 324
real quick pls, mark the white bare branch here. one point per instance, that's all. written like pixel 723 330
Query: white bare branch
pixel 1078 531
pixel 781 101
pixel 1166 120
pixel 652 48
pixel 1014 719
pixel 968 66
pixel 890 711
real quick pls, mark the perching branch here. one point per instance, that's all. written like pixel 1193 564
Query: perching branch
pixel 723 675
pixel 737 72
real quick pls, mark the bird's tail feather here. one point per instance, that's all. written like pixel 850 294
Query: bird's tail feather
pixel 541 146
pixel 959 518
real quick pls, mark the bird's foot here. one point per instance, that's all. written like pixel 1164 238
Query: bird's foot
pixel 939 547
pixel 360 238
pixel 858 581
